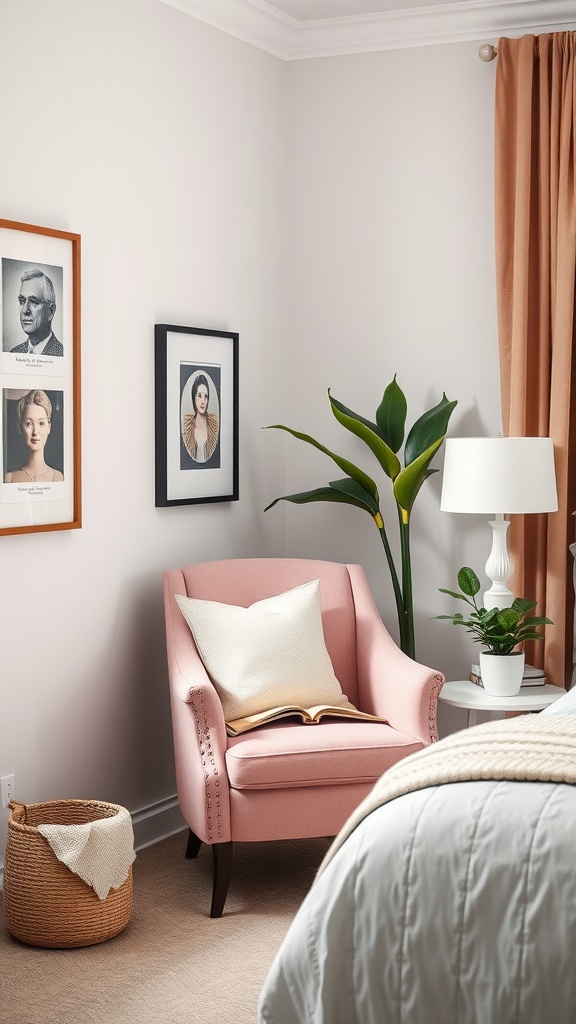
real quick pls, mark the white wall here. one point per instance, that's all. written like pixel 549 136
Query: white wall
pixel 163 143
pixel 177 153
pixel 392 271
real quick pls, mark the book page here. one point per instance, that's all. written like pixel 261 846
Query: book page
pixel 309 716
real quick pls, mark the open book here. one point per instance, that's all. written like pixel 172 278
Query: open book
pixel 309 716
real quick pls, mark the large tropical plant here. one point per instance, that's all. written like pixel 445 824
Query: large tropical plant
pixel 385 438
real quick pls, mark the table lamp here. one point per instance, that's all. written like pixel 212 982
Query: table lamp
pixel 499 476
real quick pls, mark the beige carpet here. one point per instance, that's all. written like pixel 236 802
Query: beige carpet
pixel 172 964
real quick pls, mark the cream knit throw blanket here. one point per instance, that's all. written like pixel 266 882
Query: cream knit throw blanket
pixel 540 748
pixel 100 852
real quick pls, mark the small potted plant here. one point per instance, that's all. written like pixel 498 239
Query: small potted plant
pixel 499 630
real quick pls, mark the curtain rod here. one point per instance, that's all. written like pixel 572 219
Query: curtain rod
pixel 487 52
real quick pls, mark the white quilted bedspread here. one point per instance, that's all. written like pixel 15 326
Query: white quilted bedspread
pixel 450 904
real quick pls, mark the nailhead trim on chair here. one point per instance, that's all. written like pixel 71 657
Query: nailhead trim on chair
pixel 433 709
pixel 208 760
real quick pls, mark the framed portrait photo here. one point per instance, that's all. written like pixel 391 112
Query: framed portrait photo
pixel 40 482
pixel 196 412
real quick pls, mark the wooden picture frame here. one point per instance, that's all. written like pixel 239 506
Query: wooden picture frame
pixel 196 414
pixel 40 482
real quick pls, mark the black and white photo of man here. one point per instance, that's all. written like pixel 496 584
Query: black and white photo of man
pixel 36 307
pixel 37 301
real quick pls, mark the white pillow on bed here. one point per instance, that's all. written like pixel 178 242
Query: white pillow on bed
pixel 270 654
pixel 565 705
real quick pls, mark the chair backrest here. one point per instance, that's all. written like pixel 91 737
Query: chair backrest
pixel 242 581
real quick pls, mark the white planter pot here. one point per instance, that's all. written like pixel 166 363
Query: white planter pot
pixel 502 673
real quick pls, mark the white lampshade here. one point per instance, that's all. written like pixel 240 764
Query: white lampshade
pixel 499 475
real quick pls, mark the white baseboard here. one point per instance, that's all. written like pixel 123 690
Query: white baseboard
pixel 156 821
pixel 151 824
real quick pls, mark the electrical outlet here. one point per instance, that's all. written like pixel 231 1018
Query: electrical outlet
pixel 6 789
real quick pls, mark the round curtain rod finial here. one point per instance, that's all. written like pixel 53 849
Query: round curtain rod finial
pixel 487 52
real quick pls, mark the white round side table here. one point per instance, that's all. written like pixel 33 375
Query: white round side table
pixel 462 693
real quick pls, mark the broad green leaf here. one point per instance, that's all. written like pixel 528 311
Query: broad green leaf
pixel 468 581
pixel 354 490
pixel 340 407
pixel 355 472
pixel 428 429
pixel 522 605
pixel 322 494
pixel 487 616
pixel 452 593
pixel 391 415
pixel 537 620
pixel 507 619
pixel 370 434
pixel 410 480
pixel 528 634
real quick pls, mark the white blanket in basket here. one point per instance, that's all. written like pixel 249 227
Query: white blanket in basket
pixel 99 852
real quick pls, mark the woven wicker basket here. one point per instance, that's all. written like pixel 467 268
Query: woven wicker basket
pixel 45 903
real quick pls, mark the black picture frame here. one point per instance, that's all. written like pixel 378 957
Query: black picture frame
pixel 40 476
pixel 195 375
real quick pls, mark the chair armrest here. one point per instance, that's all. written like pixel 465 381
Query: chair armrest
pixel 198 726
pixel 391 684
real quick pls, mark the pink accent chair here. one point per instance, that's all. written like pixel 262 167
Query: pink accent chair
pixel 288 780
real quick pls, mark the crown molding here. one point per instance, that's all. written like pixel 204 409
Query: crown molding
pixel 258 23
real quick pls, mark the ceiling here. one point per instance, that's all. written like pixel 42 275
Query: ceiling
pixel 298 29
pixel 309 10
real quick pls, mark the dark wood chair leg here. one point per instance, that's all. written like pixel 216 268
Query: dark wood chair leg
pixel 193 845
pixel 222 867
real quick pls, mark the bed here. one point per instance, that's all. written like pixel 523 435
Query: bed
pixel 449 897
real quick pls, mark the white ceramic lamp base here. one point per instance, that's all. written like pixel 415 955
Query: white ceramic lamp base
pixel 499 567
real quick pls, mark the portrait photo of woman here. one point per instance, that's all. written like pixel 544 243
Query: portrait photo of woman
pixel 200 424
pixel 34 424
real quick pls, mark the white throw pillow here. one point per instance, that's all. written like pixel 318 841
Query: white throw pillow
pixel 270 654
pixel 565 705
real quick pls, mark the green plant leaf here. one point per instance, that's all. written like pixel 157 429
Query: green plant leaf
pixel 384 438
pixel 522 606
pixel 323 494
pixel 428 429
pixel 498 629
pixel 369 433
pixel 528 634
pixel 410 480
pixel 339 408
pixel 355 472
pixel 537 620
pixel 487 616
pixel 507 619
pixel 355 490
pixel 391 415
pixel 468 581
pixel 452 593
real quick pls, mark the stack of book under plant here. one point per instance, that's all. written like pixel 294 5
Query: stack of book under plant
pixel 533 676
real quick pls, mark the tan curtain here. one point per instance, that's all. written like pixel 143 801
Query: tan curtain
pixel 535 211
